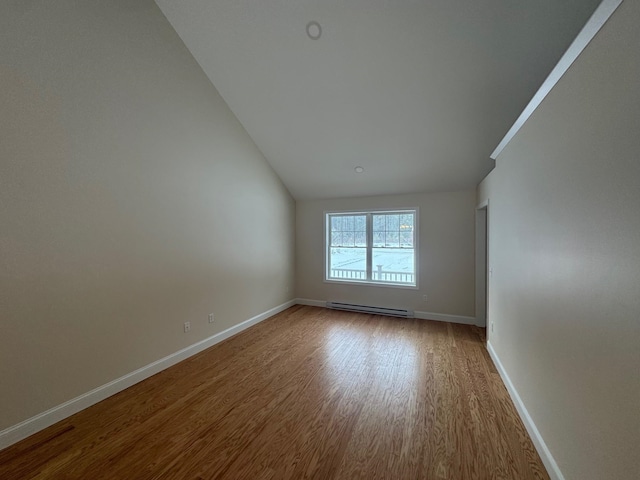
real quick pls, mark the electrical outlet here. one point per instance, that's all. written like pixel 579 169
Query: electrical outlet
pixel 425 298
pixel 187 327
pixel 211 318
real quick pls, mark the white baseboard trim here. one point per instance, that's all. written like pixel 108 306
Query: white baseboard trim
pixel 28 427
pixel 444 317
pixel 311 303
pixel 549 462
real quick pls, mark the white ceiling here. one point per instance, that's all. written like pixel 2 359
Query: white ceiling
pixel 418 92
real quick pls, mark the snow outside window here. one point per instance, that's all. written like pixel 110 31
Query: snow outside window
pixel 376 247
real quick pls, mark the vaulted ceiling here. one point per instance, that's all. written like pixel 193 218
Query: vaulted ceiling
pixel 417 92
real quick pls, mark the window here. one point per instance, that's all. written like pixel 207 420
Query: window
pixel 375 247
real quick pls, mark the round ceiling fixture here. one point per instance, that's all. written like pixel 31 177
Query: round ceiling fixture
pixel 314 30
pixel 359 169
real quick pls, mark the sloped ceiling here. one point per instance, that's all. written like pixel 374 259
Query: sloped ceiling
pixel 418 92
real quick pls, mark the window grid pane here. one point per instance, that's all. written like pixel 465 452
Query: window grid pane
pixel 347 251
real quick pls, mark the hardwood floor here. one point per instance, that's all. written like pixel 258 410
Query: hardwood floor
pixel 309 393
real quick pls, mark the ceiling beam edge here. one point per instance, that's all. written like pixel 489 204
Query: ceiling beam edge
pixel 588 32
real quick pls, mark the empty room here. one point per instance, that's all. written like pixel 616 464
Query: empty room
pixel 295 239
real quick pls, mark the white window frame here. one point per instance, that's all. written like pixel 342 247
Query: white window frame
pixel 369 280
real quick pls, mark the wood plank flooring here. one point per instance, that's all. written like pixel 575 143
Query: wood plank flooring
pixel 308 394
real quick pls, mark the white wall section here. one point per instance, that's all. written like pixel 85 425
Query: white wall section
pixel 564 246
pixel 446 253
pixel 131 201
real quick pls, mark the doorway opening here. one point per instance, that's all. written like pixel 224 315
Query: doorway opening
pixel 482 244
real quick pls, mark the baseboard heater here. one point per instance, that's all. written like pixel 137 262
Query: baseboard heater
pixel 350 307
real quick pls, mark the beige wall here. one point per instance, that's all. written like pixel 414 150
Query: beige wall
pixel 564 245
pixel 131 201
pixel 446 253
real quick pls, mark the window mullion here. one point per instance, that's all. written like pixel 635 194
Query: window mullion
pixel 369 223
pixel 327 264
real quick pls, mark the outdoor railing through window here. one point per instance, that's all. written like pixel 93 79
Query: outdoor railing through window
pixel 391 277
